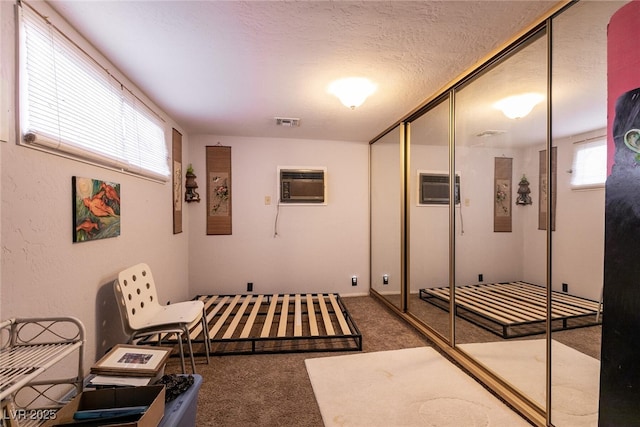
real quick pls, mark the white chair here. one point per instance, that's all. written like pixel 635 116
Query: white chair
pixel 142 315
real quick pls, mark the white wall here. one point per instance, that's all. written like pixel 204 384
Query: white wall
pixel 578 242
pixel 578 239
pixel 43 272
pixel 317 249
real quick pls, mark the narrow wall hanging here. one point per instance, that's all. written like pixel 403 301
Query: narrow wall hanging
pixel 176 155
pixel 96 209
pixel 542 208
pixel 218 189
pixel 502 194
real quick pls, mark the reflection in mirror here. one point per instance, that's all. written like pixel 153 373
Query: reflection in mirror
pixel 386 216
pixel 501 254
pixel 579 120
pixel 428 207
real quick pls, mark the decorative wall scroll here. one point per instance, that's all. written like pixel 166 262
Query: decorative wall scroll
pixel 502 195
pixel 218 189
pixel 96 209
pixel 542 205
pixel 176 155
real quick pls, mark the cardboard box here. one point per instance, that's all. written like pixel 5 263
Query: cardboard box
pixel 109 398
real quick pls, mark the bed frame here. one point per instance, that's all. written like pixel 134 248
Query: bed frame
pixel 278 323
pixel 516 309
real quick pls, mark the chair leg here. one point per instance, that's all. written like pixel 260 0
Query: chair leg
pixel 180 345
pixel 193 360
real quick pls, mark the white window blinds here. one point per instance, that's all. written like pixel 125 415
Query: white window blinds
pixel 71 105
pixel 589 168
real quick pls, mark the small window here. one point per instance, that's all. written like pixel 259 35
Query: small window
pixel 71 106
pixel 589 164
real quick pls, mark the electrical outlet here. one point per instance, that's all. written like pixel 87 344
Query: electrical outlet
pixel 250 287
pixel 480 277
pixel 565 287
pixel 354 280
pixel 385 279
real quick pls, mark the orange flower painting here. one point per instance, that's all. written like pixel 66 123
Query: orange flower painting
pixel 96 209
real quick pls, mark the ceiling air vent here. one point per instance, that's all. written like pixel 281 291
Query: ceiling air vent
pixel 490 132
pixel 287 122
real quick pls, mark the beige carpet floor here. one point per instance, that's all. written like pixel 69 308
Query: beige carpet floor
pixel 409 387
pixel 275 390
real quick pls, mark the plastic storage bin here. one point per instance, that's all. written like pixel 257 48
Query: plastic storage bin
pixel 181 412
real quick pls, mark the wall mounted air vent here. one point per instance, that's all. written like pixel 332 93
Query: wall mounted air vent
pixel 302 185
pixel 287 122
pixel 433 188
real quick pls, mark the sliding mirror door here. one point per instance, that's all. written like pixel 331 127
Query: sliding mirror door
pixel 500 247
pixel 386 181
pixel 579 121
pixel 428 224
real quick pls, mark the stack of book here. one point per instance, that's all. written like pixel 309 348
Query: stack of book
pixel 130 365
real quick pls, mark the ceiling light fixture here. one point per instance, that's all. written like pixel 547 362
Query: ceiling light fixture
pixel 518 106
pixel 352 91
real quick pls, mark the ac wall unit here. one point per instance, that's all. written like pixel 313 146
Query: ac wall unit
pixel 302 185
pixel 433 188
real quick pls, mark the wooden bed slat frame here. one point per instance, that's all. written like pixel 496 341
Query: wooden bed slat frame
pixel 278 323
pixel 516 309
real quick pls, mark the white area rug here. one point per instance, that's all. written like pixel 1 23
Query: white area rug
pixel 575 376
pixel 411 387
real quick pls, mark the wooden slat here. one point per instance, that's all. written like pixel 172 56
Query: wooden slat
pixel 325 316
pixel 211 314
pixel 195 332
pixel 252 318
pixel 339 315
pixel 284 317
pixel 311 312
pixel 266 328
pixel 297 319
pixel 213 331
pixel 237 318
pixel 513 308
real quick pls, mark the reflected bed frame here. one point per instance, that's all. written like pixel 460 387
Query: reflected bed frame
pixel 516 309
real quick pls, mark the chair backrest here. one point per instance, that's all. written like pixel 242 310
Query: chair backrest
pixel 137 296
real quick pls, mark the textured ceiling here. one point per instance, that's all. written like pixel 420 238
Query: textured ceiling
pixel 230 67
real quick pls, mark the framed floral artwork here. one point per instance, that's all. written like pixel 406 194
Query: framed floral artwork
pixel 219 190
pixel 176 154
pixel 502 200
pixel 96 209
pixel 543 200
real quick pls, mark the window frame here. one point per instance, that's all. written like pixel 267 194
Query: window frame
pixel 135 139
pixel 599 142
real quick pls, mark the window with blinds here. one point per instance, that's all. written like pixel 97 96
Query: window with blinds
pixel 589 168
pixel 70 105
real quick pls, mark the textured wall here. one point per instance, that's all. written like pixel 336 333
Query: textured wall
pixel 43 272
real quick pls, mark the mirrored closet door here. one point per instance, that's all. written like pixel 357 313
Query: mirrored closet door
pixel 501 235
pixel 579 127
pixel 428 205
pixel 501 252
pixel 387 216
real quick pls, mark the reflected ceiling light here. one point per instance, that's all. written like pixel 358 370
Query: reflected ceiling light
pixel 352 91
pixel 518 106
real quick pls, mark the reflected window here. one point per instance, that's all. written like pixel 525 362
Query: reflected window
pixel 589 164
